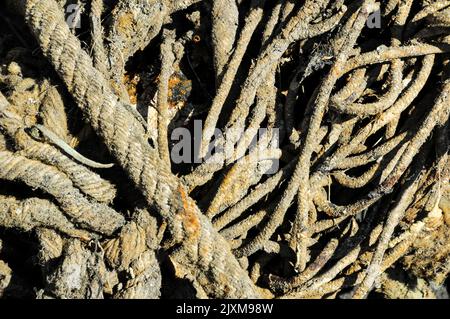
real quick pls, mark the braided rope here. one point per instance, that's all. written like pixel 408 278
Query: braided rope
pixel 203 253
pixel 94 216
pixel 87 181
pixel 34 212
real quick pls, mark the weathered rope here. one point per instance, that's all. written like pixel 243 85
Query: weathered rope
pixel 87 181
pixel 202 253
pixel 34 212
pixel 95 216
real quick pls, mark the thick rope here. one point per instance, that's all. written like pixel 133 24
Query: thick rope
pixel 30 213
pixel 94 216
pixel 87 181
pixel 203 254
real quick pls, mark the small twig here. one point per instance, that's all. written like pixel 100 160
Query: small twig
pixel 52 137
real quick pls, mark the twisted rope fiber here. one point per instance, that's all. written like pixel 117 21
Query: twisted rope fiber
pixel 203 254
pixel 88 182
pixel 53 114
pixel 35 212
pixel 95 216
pixel 99 54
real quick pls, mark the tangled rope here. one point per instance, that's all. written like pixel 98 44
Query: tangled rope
pixel 357 119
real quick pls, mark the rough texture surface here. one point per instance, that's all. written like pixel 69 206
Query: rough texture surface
pixel 224 149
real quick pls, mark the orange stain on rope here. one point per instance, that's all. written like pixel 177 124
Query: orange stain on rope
pixel 131 82
pixel 180 88
pixel 190 220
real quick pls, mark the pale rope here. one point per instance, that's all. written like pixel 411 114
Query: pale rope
pixel 202 254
